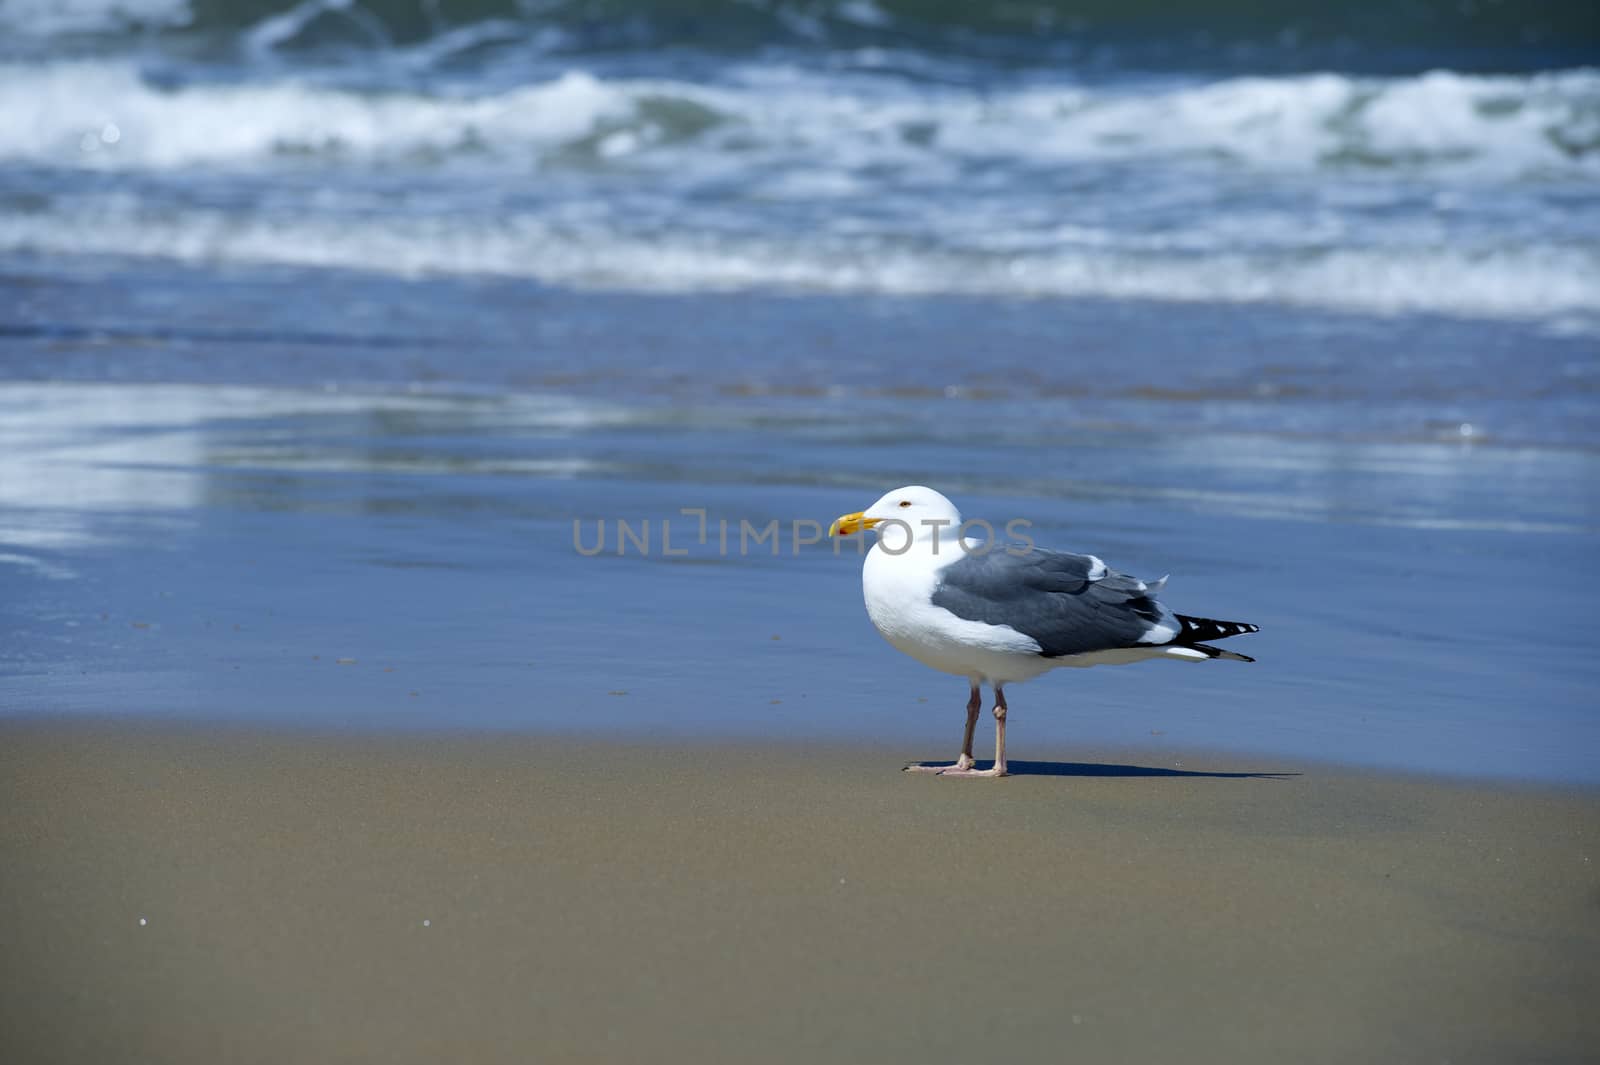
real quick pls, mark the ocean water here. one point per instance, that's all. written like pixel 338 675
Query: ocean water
pixel 323 323
pixel 851 147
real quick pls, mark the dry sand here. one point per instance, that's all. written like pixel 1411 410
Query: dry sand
pixel 179 895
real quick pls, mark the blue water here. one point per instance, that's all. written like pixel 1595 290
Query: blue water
pixel 1355 159
pixel 321 325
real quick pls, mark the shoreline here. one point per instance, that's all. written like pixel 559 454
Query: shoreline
pixel 593 901
pixel 1045 758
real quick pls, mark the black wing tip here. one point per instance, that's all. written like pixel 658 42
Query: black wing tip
pixel 1217 652
pixel 1196 629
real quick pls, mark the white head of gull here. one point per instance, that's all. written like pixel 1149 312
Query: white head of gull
pixel 999 613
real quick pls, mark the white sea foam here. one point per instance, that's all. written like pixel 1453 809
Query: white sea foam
pixel 58 113
pixel 1442 193
pixel 1527 283
pixel 1438 123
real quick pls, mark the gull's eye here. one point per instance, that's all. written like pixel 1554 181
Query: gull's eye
pixel 905 502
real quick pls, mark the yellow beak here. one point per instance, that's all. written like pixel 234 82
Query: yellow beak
pixel 851 523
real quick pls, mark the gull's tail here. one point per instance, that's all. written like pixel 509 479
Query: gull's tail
pixel 1197 629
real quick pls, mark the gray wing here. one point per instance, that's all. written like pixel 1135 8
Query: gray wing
pixel 1069 604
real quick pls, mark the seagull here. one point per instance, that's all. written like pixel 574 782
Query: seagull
pixel 1000 614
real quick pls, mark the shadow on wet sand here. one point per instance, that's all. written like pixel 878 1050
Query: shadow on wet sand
pixel 1106 769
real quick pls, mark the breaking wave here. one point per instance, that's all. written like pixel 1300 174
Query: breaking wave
pixel 577 142
pixel 1538 283
pixel 106 114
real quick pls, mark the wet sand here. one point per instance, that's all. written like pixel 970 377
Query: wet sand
pixel 178 895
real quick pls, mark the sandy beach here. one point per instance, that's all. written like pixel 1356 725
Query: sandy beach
pixel 179 895
pixel 418 427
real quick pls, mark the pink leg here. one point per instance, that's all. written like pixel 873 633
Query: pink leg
pixel 964 762
pixel 963 766
pixel 999 731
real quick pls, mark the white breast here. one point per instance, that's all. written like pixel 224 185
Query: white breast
pixel 898 590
